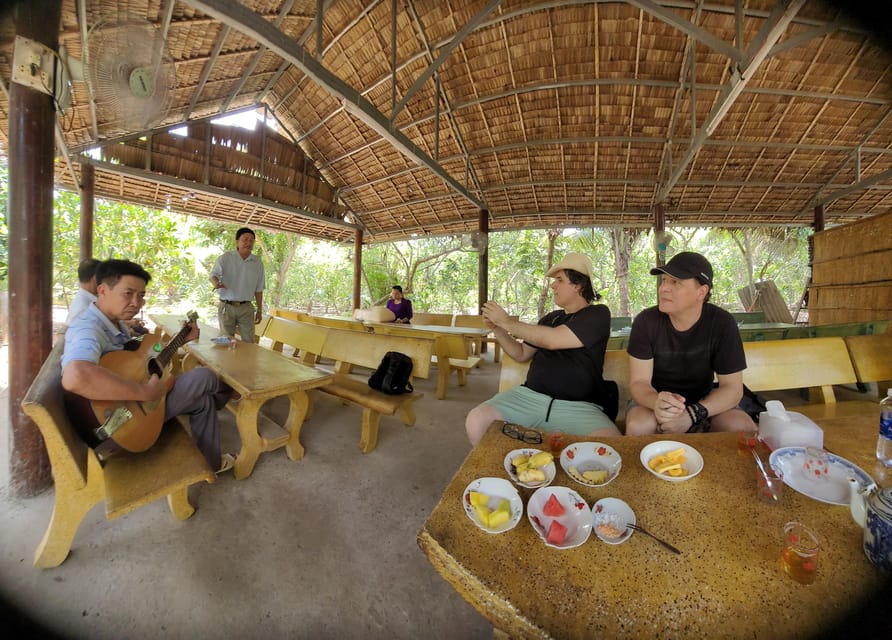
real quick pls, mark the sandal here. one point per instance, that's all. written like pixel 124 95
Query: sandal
pixel 227 462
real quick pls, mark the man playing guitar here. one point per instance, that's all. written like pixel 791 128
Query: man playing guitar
pixel 101 329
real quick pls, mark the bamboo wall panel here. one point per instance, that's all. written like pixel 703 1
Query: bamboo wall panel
pixel 852 273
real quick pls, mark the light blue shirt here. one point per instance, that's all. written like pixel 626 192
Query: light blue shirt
pixel 243 278
pixel 91 335
pixel 82 300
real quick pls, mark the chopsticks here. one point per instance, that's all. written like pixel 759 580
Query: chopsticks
pixel 636 527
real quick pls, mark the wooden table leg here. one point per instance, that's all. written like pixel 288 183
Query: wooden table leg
pixel 299 407
pixel 252 445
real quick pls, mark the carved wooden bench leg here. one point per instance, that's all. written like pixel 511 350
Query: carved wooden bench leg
pixel 69 510
pixel 407 413
pixel 179 504
pixel 369 438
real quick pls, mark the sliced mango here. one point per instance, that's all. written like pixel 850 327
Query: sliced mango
pixel 478 498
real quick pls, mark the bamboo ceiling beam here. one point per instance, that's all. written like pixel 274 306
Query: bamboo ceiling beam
pixel 244 20
pixel 768 35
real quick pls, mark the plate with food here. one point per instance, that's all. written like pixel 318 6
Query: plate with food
pixel 593 464
pixel 493 504
pixel 560 516
pixel 611 515
pixel 672 461
pixel 530 468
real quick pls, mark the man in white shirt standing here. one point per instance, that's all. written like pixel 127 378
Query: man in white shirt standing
pixel 239 277
pixel 86 294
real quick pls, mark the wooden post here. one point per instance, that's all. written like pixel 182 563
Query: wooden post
pixel 88 182
pixel 483 264
pixel 819 218
pixel 357 266
pixel 31 150
pixel 659 227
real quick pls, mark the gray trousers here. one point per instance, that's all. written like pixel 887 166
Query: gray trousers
pixel 199 393
pixel 240 316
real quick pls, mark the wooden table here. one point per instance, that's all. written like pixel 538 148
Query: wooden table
pixel 728 581
pixel 259 374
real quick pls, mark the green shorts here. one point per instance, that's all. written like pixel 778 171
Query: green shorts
pixel 535 410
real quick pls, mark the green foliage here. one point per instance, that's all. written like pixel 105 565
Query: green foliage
pixel 439 274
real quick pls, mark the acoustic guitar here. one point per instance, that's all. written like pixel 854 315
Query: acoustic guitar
pixel 134 425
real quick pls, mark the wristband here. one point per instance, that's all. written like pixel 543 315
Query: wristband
pixel 691 414
pixel 698 411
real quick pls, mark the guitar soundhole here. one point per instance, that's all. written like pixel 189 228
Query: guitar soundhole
pixel 155 368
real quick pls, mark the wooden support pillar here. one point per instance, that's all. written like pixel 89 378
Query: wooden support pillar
pixel 819 218
pixel 357 267
pixel 659 227
pixel 88 182
pixel 31 150
pixel 483 262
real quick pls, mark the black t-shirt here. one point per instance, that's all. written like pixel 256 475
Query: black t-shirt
pixel 685 361
pixel 573 374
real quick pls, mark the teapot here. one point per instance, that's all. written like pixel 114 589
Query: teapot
pixel 872 510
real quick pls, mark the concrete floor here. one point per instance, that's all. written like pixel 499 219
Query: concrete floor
pixel 323 547
pixel 319 548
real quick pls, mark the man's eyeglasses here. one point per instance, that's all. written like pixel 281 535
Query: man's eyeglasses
pixel 519 433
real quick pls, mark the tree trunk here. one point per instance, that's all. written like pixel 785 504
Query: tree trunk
pixel 549 261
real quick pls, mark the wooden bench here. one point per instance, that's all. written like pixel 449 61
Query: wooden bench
pixel 126 481
pixel 815 363
pixel 872 360
pixel 366 350
pixel 616 368
pixel 305 339
pixel 442 319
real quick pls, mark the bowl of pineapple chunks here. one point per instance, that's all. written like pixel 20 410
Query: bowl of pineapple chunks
pixel 672 461
pixel 530 468
pixel 493 504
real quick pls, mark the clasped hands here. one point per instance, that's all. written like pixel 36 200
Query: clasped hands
pixel 670 412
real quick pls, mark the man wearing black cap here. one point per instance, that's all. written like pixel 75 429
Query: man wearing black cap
pixel 564 389
pixel 676 348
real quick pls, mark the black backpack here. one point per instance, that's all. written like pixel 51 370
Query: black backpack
pixel 392 375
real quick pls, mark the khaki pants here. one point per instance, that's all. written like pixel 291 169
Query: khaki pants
pixel 237 316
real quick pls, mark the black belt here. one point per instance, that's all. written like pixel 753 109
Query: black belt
pixel 237 302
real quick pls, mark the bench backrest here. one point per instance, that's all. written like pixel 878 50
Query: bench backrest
pixel 333 323
pixel 872 358
pixel 367 349
pixel 794 364
pixel 288 314
pixel 464 320
pixel 442 319
pixel 44 404
pixel 306 339
pixel 616 368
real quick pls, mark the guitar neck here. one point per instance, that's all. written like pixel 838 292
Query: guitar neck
pixel 176 342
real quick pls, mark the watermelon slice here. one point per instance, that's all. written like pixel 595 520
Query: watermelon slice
pixel 556 533
pixel 553 507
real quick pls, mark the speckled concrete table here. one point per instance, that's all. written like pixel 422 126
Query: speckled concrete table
pixel 728 581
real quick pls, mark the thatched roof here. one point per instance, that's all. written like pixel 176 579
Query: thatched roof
pixel 547 114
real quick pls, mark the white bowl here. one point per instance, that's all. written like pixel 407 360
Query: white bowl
pixel 617 513
pixel 577 516
pixel 693 460
pixel 549 469
pixel 590 456
pixel 496 489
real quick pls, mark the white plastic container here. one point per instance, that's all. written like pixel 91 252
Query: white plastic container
pixel 781 428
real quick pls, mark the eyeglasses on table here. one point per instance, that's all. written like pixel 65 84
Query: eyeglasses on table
pixel 517 432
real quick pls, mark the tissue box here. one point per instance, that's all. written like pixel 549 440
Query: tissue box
pixel 796 431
